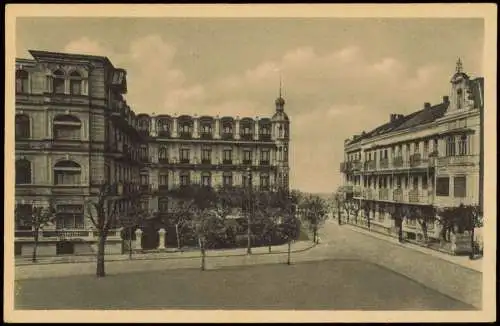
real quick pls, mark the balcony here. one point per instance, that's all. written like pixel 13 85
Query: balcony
pixel 143 132
pixel 384 163
pixel 397 195
pixel 164 133
pixel 383 194
pixel 370 166
pixel 227 136
pixel 144 187
pixel 345 167
pixel 69 190
pixel 265 137
pixel 144 159
pixel 368 194
pixel 227 162
pixel 416 196
pixel 206 135
pixel 356 166
pixel 185 135
pixel 206 161
pixel 67 234
pixel 398 162
pixel 246 136
pixel 356 191
pixel 162 188
pixel 459 160
pixel 67 99
pixel 264 162
pixel 163 160
pixel 184 161
pixel 246 162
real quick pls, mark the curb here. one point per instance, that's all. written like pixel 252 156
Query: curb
pixel 312 245
pixel 360 230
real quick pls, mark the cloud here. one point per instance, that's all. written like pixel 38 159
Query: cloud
pixel 330 95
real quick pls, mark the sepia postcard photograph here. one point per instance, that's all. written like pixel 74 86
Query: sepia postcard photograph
pixel 237 163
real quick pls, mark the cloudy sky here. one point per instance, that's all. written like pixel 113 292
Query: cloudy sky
pixel 340 76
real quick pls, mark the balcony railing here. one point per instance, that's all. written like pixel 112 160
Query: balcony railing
pixel 368 194
pixel 370 165
pixel 163 160
pixel 345 167
pixel 247 162
pixel 383 194
pixel 264 137
pixel 246 136
pixel 185 135
pixel 398 162
pixel 227 162
pixel 164 134
pixel 397 195
pixel 384 163
pixel 206 135
pixel 264 162
pixel 355 166
pixel 227 136
pixel 162 188
pixel 184 161
pixel 206 161
pixel 459 160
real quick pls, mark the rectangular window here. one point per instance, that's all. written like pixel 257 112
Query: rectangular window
pixel 67 132
pixel 205 180
pixel 69 217
pixel 227 155
pixel 24 220
pixel 443 186
pixel 459 187
pixel 206 155
pixel 163 204
pixel 415 183
pixel 450 146
pixel 417 147
pixel 247 156
pixel 184 179
pixel 58 86
pixel 184 155
pixel 426 147
pixel 462 145
pixel 264 181
pixel 76 87
pixel 163 180
pixel 424 183
pixel 144 179
pixel 227 180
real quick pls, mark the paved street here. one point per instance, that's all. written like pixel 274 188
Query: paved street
pixel 342 285
pixel 375 274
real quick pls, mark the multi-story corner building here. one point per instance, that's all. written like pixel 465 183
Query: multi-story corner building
pixel 75 131
pixel 429 158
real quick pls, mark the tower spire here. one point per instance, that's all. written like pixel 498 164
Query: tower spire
pixel 280 84
pixel 459 65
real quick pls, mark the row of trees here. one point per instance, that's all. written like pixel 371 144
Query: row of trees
pixel 451 219
pixel 203 211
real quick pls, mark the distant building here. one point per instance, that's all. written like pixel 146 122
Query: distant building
pixel 75 131
pixel 429 158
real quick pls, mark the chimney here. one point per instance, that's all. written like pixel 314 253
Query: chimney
pixel 427 105
pixel 393 117
pixel 446 99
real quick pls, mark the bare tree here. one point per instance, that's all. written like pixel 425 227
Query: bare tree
pixel 38 218
pixel 102 212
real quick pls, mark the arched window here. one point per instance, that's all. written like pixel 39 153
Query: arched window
pixel 67 173
pixel 58 82
pixel 264 181
pixel 22 81
pixel 163 128
pixel 22 126
pixel 228 128
pixel 206 179
pixel 67 127
pixel 23 172
pixel 75 83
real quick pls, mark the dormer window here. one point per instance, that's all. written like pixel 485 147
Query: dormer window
pixel 228 129
pixel 206 129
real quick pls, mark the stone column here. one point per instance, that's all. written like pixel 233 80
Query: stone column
pixel 217 128
pixel 237 128
pixel 174 127
pixel 195 127
pixel 256 129
pixel 153 131
pixel 161 233
pixel 138 239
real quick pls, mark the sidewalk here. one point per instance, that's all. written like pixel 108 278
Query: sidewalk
pixel 169 253
pixel 464 261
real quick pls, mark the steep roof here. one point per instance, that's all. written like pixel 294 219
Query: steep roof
pixel 420 117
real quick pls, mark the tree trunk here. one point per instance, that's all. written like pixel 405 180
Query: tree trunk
pixel 269 239
pixel 178 236
pixel 100 255
pixel 130 245
pixel 289 252
pixel 35 247
pixel 471 256
pixel 202 249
